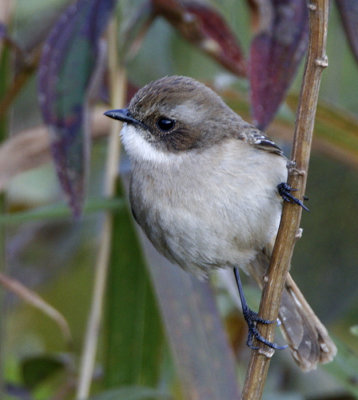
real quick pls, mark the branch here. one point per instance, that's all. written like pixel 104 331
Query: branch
pixel 291 215
pixel 38 302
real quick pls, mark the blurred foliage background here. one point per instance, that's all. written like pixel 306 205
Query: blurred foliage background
pixel 149 346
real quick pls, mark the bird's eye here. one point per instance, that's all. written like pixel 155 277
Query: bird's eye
pixel 165 124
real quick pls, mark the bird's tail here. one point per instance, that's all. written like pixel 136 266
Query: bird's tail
pixel 305 334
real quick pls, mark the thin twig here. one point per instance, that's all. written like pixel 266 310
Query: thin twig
pixel 38 302
pixel 117 83
pixel 291 216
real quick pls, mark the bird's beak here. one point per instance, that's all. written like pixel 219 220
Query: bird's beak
pixel 123 115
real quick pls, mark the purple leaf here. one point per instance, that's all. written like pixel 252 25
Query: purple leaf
pixel 348 10
pixel 275 55
pixel 214 28
pixel 205 28
pixel 67 65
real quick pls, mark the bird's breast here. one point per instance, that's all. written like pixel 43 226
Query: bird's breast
pixel 208 210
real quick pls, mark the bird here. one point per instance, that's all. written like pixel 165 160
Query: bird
pixel 207 189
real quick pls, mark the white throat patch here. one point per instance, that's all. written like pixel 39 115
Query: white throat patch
pixel 139 149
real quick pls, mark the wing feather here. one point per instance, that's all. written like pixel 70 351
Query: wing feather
pixel 258 139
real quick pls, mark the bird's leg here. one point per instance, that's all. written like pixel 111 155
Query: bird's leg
pixel 284 189
pixel 252 318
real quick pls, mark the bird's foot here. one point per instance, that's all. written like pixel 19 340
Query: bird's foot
pixel 252 319
pixel 284 189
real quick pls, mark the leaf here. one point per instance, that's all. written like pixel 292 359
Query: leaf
pixel 134 336
pixel 30 148
pixel 204 360
pixel 275 55
pixel 344 367
pixel 348 10
pixel 131 393
pixel 335 132
pixel 136 29
pixel 37 369
pixel 59 211
pixel 204 27
pixel 66 68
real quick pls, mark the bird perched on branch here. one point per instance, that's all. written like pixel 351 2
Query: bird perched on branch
pixel 207 189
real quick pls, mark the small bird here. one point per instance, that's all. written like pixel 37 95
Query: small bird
pixel 207 189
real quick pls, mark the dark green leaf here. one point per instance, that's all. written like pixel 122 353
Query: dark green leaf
pixel 35 370
pixel 134 336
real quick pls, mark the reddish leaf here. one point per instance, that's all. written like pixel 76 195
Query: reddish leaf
pixel 348 10
pixel 275 55
pixel 204 27
pixel 67 65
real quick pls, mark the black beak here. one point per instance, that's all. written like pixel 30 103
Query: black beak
pixel 122 115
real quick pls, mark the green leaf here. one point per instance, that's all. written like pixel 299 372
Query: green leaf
pixel 37 369
pixel 131 393
pixel 134 337
pixel 60 211
pixel 344 368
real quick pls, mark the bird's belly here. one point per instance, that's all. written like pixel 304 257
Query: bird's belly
pixel 203 228
pixel 198 244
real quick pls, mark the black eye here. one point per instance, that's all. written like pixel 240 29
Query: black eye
pixel 165 124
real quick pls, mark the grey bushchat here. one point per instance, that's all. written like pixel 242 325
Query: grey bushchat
pixel 207 189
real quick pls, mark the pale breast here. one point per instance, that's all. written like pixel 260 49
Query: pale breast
pixel 210 209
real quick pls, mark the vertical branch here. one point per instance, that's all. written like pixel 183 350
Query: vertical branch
pixel 117 83
pixel 291 215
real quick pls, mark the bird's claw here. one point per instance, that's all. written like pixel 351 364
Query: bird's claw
pixel 252 319
pixel 284 189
